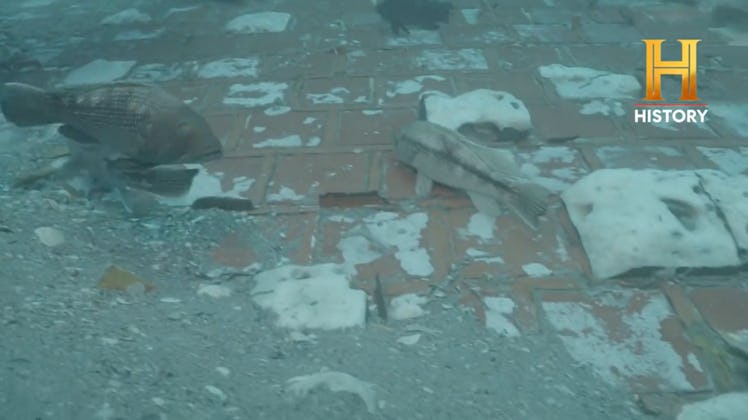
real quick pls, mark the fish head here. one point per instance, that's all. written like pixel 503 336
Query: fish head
pixel 198 137
pixel 182 137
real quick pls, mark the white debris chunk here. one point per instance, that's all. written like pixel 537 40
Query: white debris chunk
pixel 216 392
pixel 316 296
pixel 49 236
pixel 99 71
pixel 630 219
pixel 213 290
pixel 255 94
pixel 407 306
pixel 409 340
pixel 229 67
pixel 259 22
pixel 131 15
pixel 730 406
pixel 498 310
pixel 587 83
pixel 300 386
pixel 536 270
pixel 403 234
pixel 502 109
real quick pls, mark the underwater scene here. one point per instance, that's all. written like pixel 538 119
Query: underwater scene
pixel 373 209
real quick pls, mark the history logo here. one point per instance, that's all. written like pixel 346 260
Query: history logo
pixel 654 108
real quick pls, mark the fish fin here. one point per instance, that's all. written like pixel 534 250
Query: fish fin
pixel 533 198
pixel 162 181
pixel 25 105
pixel 424 184
pixel 485 204
pixel 76 135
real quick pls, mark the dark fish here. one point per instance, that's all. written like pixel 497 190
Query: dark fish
pixel 141 123
pixel 118 133
pixel 425 14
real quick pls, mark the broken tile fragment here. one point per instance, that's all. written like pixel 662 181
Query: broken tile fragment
pixel 116 278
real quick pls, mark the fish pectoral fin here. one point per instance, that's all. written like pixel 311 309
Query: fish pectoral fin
pixel 161 181
pixel 424 184
pixel 76 135
pixel 485 204
pixel 533 198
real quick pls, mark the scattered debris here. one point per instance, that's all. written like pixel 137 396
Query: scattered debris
pixel 116 278
pixel 316 296
pixel 379 299
pixel 50 236
pixel 407 306
pixel 223 203
pixel 300 386
pixel 409 340
pixel 480 114
pixel 213 290
pixel 498 310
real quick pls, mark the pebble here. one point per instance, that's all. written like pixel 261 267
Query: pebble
pixel 409 340
pixel 50 236
pixel 216 392
pixel 213 290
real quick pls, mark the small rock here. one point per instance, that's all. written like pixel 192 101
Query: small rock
pixel 116 278
pixel 50 236
pixel 409 340
pixel 214 290
pixel 216 392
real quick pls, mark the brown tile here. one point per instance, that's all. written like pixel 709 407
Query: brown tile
pixel 299 230
pixel 373 127
pixel 561 166
pixel 651 156
pixel 621 59
pixel 546 33
pixel 321 173
pixel 286 43
pixel 390 271
pixel 521 84
pixel 391 61
pixel 237 171
pixel 565 120
pixel 527 313
pixel 228 128
pixel 332 226
pixel 405 90
pixel 479 34
pixel 279 128
pixel 235 251
pixel 629 337
pixel 436 238
pixel 325 93
pixel 399 180
pixel 320 63
pixel 723 308
pixel 351 200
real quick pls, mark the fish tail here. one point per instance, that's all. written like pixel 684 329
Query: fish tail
pixel 25 105
pixel 533 198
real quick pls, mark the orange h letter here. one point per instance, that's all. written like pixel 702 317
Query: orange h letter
pixel 685 68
